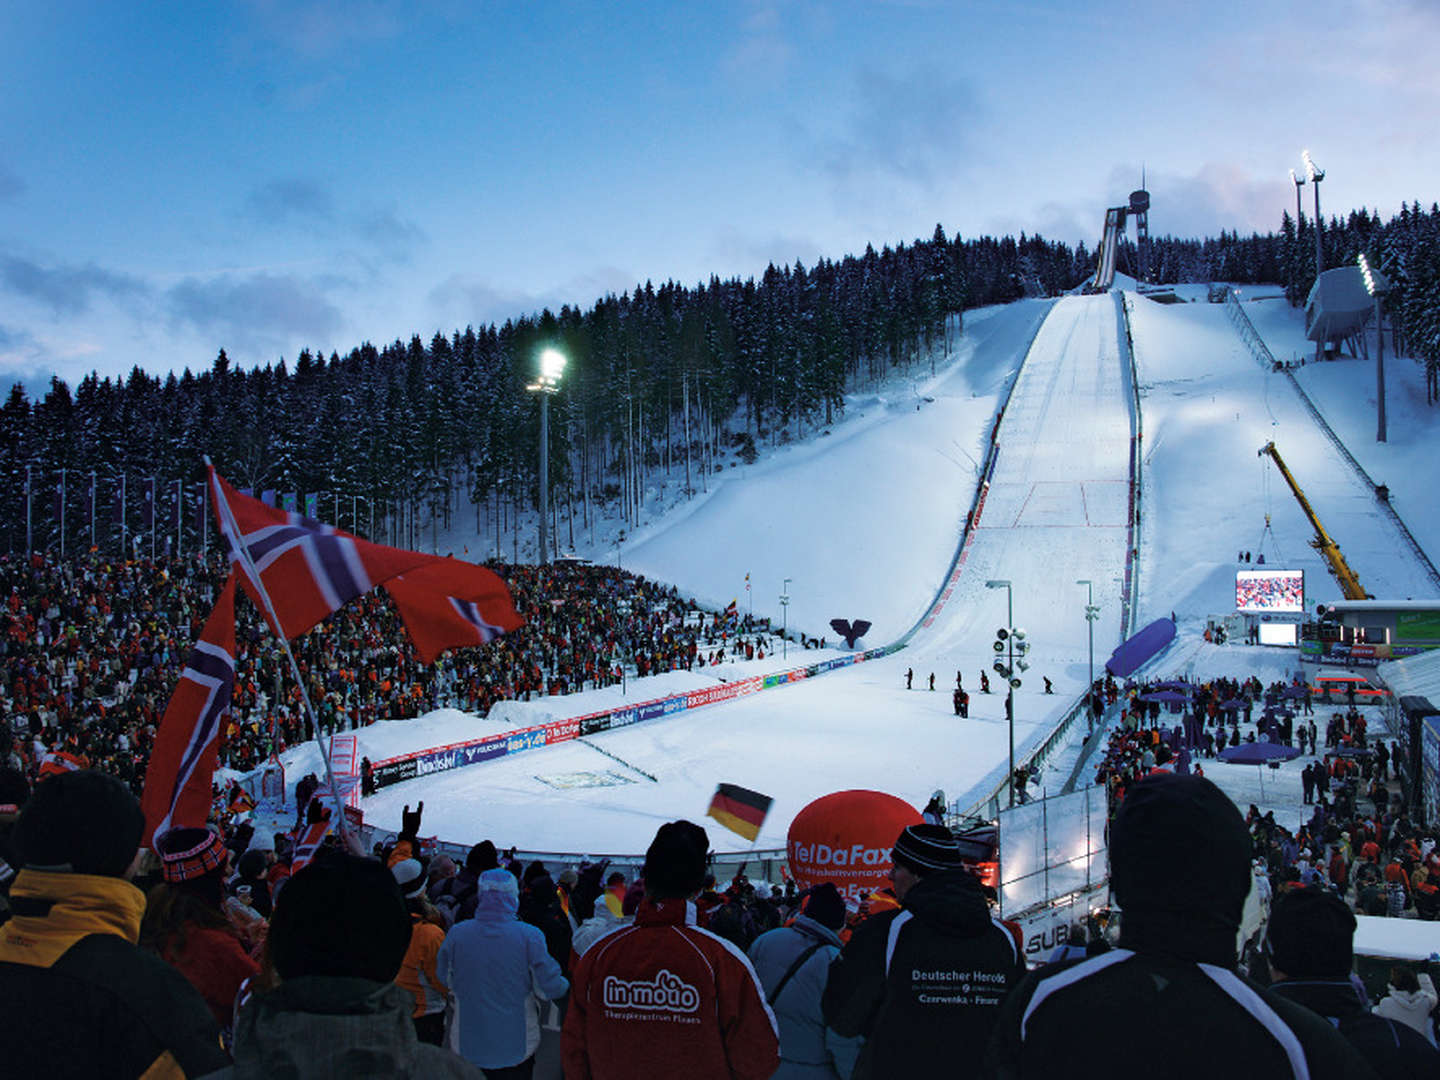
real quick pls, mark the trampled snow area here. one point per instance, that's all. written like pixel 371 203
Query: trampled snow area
pixel 866 520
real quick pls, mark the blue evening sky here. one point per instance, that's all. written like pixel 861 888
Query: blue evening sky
pixel 264 176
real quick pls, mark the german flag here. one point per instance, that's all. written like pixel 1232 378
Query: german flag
pixel 739 809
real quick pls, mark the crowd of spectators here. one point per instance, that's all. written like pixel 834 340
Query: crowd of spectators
pixel 1357 841
pixel 91 648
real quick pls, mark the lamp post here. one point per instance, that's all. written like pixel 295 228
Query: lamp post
pixel 1007 640
pixel 1092 612
pixel 1377 286
pixel 785 619
pixel 623 607
pixel 1315 175
pixel 552 366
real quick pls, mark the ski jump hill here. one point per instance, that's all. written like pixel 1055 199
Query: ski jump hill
pixel 1102 438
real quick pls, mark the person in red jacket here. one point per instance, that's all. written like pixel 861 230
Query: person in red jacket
pixel 186 921
pixel 662 997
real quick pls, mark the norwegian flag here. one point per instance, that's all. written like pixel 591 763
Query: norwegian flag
pixel 187 746
pixel 307 844
pixel 449 603
pixel 307 569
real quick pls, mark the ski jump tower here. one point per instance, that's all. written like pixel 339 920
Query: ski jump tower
pixel 1109 251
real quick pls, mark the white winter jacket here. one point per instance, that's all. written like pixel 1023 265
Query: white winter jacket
pixel 1412 1007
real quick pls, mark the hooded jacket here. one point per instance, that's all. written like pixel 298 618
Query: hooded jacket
pixel 335 1028
pixel 80 998
pixel 665 998
pixel 809 1050
pixel 924 983
pixel 1392 1049
pixel 1412 1007
pixel 491 963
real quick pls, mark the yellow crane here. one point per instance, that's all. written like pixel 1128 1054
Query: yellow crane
pixel 1329 550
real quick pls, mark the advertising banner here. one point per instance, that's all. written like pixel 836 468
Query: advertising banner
pixel 1417 626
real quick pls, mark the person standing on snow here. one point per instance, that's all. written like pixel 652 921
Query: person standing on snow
pixel 923 982
pixel 664 998
pixel 492 962
pixel 793 963
pixel 79 997
pixel 1180 870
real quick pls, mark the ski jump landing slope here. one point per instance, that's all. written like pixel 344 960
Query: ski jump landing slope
pixel 1056 511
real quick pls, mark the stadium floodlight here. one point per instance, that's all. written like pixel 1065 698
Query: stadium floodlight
pixel 1092 613
pixel 1316 174
pixel 1006 639
pixel 552 366
pixel 1377 285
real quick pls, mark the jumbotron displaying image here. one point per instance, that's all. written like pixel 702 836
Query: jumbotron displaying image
pixel 1270 590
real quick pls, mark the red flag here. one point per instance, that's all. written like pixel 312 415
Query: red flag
pixel 449 603
pixel 307 844
pixel 177 783
pixel 308 569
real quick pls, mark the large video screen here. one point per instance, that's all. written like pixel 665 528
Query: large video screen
pixel 1270 590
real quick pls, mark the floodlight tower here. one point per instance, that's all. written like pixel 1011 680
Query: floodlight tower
pixel 1010 640
pixel 552 366
pixel 1316 175
pixel 1377 286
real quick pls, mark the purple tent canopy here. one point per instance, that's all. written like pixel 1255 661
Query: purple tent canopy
pixel 1235 703
pixel 1258 753
pixel 1295 691
pixel 1169 697
pixel 1141 647
pixel 1173 684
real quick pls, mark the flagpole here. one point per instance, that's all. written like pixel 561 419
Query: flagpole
pixel 94 490
pixel 62 515
pixel 242 554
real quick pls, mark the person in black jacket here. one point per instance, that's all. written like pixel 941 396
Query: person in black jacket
pixel 1169 995
pixel 79 997
pixel 923 983
pixel 1310 949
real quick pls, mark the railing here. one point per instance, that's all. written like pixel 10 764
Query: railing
pixel 1264 357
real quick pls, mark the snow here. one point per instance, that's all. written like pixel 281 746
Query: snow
pixel 865 519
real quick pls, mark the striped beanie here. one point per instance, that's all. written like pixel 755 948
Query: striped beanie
pixel 925 849
pixel 188 853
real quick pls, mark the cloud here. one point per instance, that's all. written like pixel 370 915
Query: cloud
pixel 66 290
pixel 256 312
pixel 394 236
pixel 910 129
pixel 323 28
pixel 289 199
pixel 761 54
pixel 1220 195
pixel 11 186
pixel 748 256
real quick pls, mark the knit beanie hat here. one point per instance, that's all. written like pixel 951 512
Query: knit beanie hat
pixel 1311 933
pixel 926 849
pixel 824 904
pixel 410 876
pixel 675 860
pixel 187 854
pixel 341 915
pixel 481 857
pixel 84 821
pixel 1180 867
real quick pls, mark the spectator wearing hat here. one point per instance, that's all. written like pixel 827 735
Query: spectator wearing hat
pixel 1310 948
pixel 417 970
pixel 493 963
pixel 78 996
pixel 1180 870
pixel 457 897
pixel 337 940
pixel 186 923
pixel 662 997
pixel 793 963
pixel 923 982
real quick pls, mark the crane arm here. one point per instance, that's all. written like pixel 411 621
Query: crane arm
pixel 1349 584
